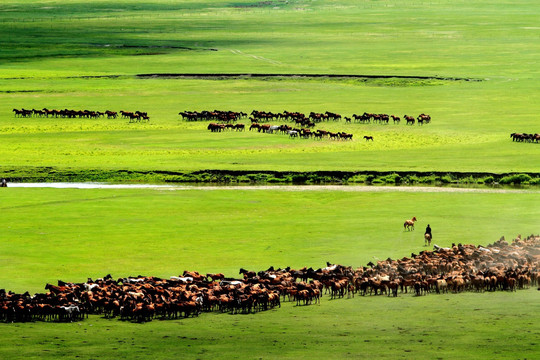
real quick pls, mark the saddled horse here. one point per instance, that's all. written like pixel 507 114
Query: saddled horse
pixel 409 224
pixel 427 240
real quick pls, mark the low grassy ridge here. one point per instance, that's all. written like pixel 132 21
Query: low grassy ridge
pixel 72 234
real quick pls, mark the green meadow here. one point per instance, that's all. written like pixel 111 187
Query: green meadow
pixel 73 234
pixel 53 50
pixel 473 66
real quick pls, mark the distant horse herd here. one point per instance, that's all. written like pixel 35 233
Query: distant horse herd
pixel 227 117
pixel 524 137
pixel 303 123
pixel 299 118
pixel 225 120
pixel 497 267
pixel 293 132
pixel 133 116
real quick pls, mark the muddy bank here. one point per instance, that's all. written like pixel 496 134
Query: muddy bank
pixel 243 177
pixel 297 76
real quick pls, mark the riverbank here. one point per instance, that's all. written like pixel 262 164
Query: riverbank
pixel 234 177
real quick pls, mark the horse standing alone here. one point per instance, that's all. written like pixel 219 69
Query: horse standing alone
pixel 3 183
pixel 409 224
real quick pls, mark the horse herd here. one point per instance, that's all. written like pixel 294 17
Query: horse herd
pixel 304 133
pixel 133 116
pixel 299 118
pixel 499 266
pixel 256 116
pixel 524 137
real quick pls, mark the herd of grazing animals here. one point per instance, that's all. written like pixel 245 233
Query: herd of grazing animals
pixel 133 116
pixel 257 116
pixel 304 123
pixel 524 137
pixel 499 266
pixel 304 133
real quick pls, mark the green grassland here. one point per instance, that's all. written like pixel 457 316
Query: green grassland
pixel 94 232
pixel 468 326
pixel 86 55
pixel 52 47
pixel 71 234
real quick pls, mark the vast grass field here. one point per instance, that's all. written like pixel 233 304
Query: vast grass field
pixel 471 65
pixel 72 234
pixel 54 49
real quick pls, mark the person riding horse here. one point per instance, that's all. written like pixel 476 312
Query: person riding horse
pixel 428 232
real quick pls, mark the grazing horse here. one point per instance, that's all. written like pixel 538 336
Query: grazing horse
pixel 423 118
pixel 409 224
pixel 427 239
pixel 410 119
pixel 368 138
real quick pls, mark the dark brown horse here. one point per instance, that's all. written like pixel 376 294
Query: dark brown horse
pixel 410 119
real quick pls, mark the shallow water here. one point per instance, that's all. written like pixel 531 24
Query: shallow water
pixel 344 188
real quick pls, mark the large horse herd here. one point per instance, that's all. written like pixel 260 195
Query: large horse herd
pixel 303 124
pixel 300 118
pixel 497 267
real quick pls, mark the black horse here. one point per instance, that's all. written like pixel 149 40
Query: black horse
pixel 3 183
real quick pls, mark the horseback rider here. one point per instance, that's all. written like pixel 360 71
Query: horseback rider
pixel 428 231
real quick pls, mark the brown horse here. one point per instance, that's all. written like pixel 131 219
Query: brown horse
pixel 427 239
pixel 368 138
pixel 410 119
pixel 409 224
